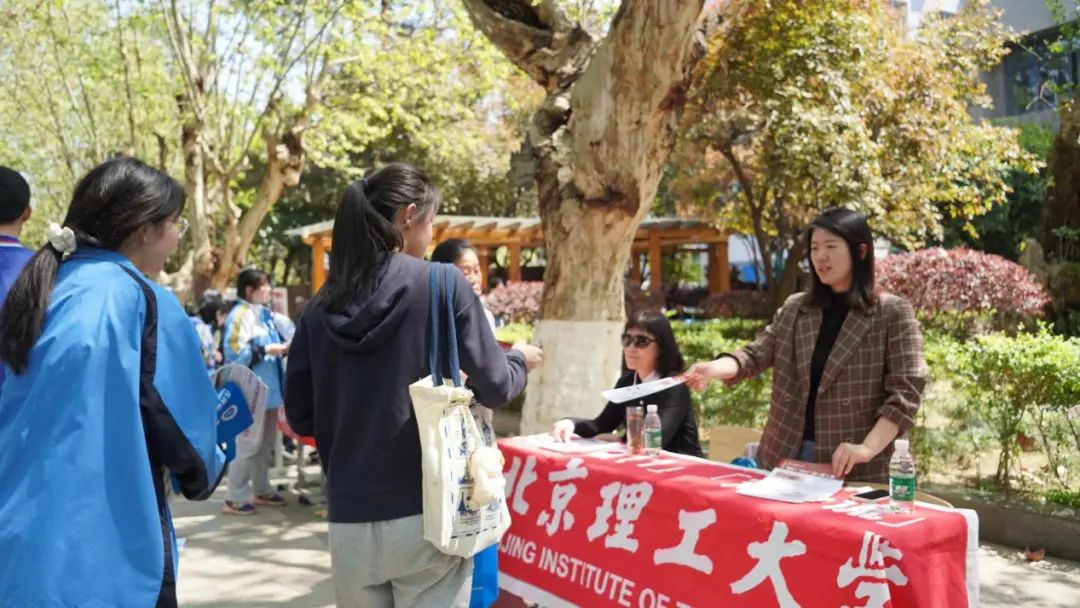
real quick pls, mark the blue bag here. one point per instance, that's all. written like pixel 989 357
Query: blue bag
pixel 485 578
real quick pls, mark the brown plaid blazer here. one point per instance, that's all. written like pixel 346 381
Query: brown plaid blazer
pixel 876 368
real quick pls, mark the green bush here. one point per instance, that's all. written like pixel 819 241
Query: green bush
pixel 1024 384
pixel 512 332
pixel 735 328
pixel 1068 498
pixel 746 403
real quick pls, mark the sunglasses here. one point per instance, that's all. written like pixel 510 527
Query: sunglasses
pixel 637 341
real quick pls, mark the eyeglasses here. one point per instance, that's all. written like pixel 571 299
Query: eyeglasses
pixel 636 340
pixel 181 225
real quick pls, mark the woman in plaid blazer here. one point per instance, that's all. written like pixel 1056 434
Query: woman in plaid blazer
pixel 848 366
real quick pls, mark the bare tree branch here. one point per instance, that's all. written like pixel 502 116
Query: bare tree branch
pixel 86 120
pixel 129 94
pixel 310 45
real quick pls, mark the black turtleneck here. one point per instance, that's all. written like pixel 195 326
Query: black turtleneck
pixel 832 320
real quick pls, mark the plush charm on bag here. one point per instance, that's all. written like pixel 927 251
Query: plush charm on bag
pixel 464 493
pixel 489 485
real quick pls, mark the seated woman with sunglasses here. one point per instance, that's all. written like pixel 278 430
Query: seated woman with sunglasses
pixel 649 353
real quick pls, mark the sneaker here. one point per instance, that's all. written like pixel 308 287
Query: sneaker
pixel 232 508
pixel 271 500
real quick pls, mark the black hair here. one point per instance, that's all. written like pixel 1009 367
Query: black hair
pixel 855 230
pixel 14 195
pixel 110 203
pixel 364 230
pixel 209 308
pixel 668 358
pixel 250 278
pixel 451 250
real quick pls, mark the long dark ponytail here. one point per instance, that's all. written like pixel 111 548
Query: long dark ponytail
pixel 364 227
pixel 110 203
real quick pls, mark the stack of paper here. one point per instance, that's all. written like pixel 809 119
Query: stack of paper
pixel 796 482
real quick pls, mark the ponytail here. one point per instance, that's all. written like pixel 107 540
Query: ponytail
pixel 109 204
pixel 25 307
pixel 364 230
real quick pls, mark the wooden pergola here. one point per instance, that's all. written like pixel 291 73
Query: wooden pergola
pixel 487 234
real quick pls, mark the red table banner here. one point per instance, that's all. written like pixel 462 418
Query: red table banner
pixel 608 528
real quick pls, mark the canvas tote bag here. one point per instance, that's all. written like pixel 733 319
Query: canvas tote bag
pixel 464 500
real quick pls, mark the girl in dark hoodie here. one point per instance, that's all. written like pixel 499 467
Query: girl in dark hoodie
pixel 358 346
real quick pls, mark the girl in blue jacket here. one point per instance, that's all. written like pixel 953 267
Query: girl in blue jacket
pixel 252 339
pixel 105 391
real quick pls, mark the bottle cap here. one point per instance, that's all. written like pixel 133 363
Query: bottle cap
pixel 902 445
pixel 651 409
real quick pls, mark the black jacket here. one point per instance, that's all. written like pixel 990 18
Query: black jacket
pixel 676 417
pixel 348 378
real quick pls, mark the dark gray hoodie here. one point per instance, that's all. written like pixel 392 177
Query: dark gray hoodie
pixel 348 377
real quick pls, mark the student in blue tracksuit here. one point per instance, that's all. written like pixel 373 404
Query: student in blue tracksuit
pixel 14 213
pixel 252 339
pixel 105 391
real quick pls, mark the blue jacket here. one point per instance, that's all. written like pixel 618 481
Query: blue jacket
pixel 249 329
pixel 115 394
pixel 13 256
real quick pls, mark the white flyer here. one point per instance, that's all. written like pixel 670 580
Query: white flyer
pixel 637 391
pixel 794 481
pixel 577 445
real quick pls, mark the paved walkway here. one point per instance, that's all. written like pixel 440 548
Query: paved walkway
pixel 279 557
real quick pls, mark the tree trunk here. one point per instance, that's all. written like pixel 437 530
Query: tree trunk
pixel 1063 200
pixel 285 158
pixel 789 276
pixel 599 144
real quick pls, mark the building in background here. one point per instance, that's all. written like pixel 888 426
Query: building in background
pixel 1021 85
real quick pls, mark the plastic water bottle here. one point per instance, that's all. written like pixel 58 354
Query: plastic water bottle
pixel 654 436
pixel 902 478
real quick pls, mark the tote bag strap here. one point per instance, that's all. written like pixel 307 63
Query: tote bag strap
pixel 434 360
pixel 451 326
pixel 442 292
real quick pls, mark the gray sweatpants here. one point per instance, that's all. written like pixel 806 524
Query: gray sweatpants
pixel 388 564
pixel 250 473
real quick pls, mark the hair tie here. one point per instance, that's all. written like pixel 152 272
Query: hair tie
pixel 62 239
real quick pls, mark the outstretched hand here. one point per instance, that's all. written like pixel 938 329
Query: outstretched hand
pixel 701 374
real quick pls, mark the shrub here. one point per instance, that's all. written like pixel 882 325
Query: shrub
pixel 962 288
pixel 740 303
pixel 718 329
pixel 517 302
pixel 1022 383
pixel 746 403
pixel 1068 498
pixel 514 331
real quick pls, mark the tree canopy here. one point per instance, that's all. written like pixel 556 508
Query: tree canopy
pixel 804 106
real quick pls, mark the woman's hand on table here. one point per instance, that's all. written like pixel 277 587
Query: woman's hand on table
pixel 563 430
pixel 847 455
